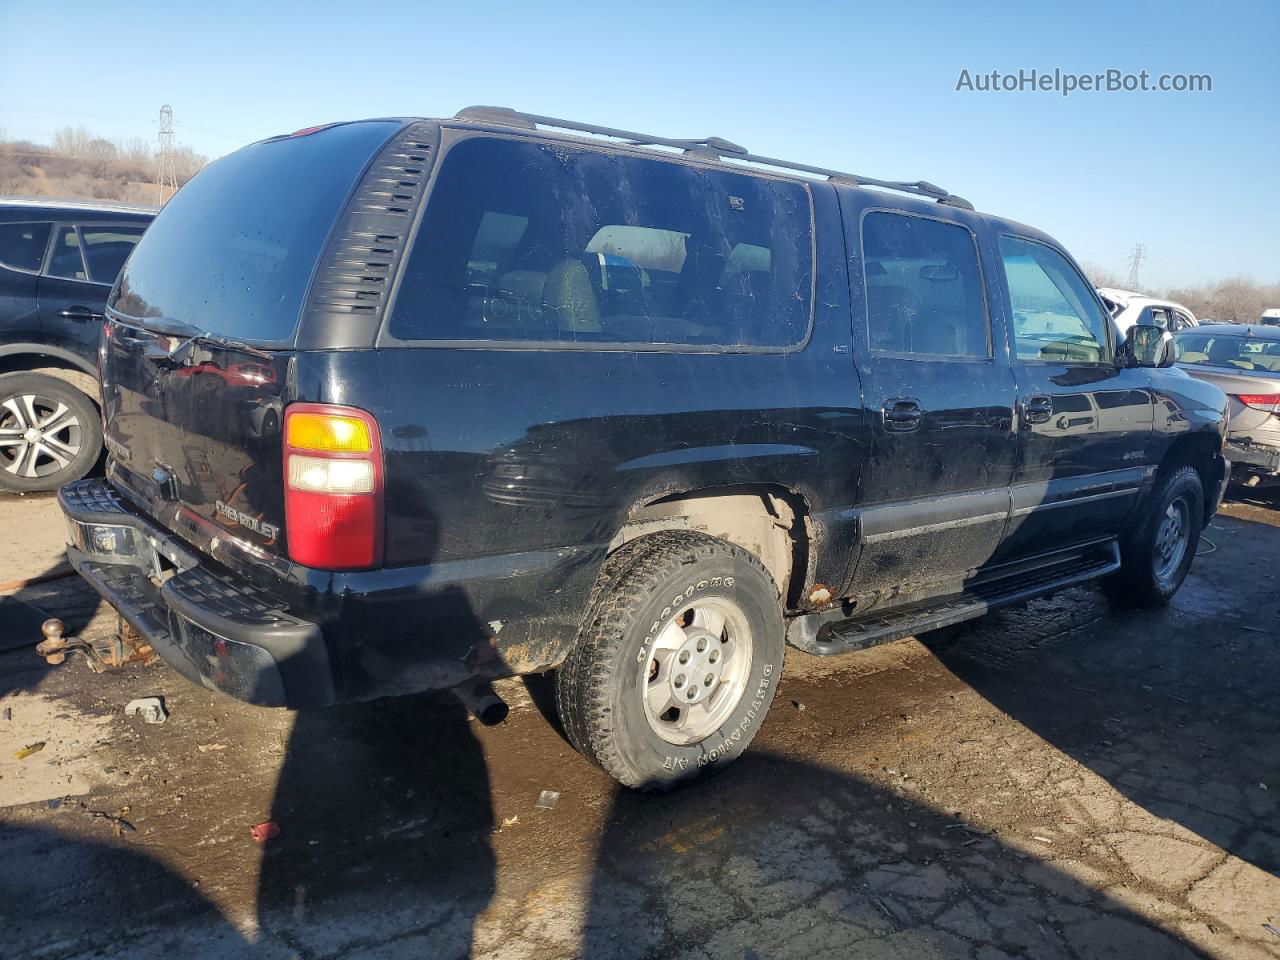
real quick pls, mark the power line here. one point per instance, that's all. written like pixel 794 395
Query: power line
pixel 167 180
pixel 1136 257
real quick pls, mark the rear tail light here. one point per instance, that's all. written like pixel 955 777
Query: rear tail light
pixel 333 486
pixel 1269 402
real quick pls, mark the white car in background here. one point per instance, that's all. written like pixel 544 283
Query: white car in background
pixel 1126 307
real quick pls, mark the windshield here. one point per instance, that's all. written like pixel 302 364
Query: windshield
pixel 233 252
pixel 1216 350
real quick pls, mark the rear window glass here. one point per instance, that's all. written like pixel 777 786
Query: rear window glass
pixel 525 241
pixel 22 244
pixel 66 261
pixel 1237 353
pixel 233 252
pixel 106 248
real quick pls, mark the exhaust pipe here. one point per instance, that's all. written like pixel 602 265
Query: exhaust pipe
pixel 483 704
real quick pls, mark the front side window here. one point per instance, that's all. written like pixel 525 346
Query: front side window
pixel 924 287
pixel 106 248
pixel 527 241
pixel 1056 318
pixel 65 260
pixel 22 245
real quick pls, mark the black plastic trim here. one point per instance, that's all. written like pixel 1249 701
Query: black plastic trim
pixel 350 290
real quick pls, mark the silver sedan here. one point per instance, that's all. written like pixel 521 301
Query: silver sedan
pixel 1245 362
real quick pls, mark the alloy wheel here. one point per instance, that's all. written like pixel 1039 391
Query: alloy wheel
pixel 697 670
pixel 39 436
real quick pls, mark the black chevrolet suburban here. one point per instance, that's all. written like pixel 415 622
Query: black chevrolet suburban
pixel 58 260
pixel 401 405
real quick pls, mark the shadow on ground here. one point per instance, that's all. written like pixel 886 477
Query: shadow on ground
pixel 80 883
pixel 1178 708
pixel 779 858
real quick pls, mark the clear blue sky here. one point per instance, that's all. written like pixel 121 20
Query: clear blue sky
pixel 864 88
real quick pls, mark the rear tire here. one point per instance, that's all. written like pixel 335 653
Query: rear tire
pixel 677 661
pixel 50 433
pixel 1157 553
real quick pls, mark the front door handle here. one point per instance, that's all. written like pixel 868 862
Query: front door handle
pixel 79 313
pixel 901 414
pixel 1037 409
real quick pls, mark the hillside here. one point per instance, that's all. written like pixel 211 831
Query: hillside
pixel 82 166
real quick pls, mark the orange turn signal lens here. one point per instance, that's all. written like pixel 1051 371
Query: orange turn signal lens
pixel 327 432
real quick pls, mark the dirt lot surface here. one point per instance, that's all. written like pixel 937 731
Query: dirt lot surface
pixel 1057 780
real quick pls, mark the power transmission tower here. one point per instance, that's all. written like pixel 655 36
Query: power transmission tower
pixel 1135 263
pixel 167 181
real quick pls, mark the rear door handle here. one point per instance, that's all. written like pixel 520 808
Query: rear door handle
pixel 1037 409
pixel 79 313
pixel 901 415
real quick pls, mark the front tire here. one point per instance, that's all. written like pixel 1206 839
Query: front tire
pixel 677 662
pixel 50 433
pixel 1156 554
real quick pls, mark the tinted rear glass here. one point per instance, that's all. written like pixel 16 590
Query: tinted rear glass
pixel 527 241
pixel 233 252
pixel 924 287
pixel 107 247
pixel 22 244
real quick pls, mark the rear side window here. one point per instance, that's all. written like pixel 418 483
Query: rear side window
pixel 22 245
pixel 526 241
pixel 233 252
pixel 66 260
pixel 1056 318
pixel 924 287
pixel 106 248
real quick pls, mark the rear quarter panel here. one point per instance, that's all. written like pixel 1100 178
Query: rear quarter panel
pixel 509 471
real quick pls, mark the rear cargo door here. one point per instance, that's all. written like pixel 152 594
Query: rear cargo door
pixel 201 330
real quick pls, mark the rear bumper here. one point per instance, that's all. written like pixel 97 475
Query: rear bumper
pixel 214 630
pixel 1249 456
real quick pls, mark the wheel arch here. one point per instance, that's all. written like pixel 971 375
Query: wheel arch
pixel 771 521
pixel 65 365
pixel 1200 451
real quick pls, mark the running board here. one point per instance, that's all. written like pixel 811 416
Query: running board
pixel 832 632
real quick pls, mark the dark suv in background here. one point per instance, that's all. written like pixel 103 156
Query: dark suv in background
pixel 58 261
pixel 401 405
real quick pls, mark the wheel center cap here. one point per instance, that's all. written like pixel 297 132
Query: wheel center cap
pixel 32 435
pixel 696 667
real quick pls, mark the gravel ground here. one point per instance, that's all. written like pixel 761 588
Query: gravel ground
pixel 1057 780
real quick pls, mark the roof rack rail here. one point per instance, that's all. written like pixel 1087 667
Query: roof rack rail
pixel 711 148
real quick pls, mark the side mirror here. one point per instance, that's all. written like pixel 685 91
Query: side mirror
pixel 1149 346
